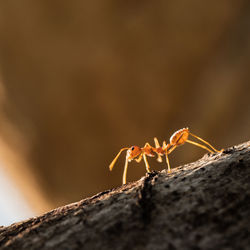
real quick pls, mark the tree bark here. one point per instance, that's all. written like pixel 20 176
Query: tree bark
pixel 201 205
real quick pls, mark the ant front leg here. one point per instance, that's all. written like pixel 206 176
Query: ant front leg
pixel 146 163
pixel 124 177
pixel 139 158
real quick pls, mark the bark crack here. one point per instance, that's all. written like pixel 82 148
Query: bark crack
pixel 145 197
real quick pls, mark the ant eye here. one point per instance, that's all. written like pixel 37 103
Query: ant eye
pixel 132 148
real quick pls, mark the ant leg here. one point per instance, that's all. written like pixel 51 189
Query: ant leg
pixel 146 163
pixel 139 158
pixel 171 149
pixel 124 178
pixel 157 145
pixel 144 156
pixel 197 137
pixel 199 145
pixel 166 146
pixel 147 145
pixel 167 160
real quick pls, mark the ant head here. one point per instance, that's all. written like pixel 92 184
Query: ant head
pixel 133 152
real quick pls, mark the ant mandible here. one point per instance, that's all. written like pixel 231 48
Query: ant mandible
pixel 177 139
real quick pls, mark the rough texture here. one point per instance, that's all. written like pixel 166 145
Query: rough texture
pixel 202 205
pixel 81 79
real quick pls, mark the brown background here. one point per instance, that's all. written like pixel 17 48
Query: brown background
pixel 81 79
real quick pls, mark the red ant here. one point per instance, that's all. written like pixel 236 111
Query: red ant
pixel 177 139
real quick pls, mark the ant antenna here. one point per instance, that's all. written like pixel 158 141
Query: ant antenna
pixel 114 161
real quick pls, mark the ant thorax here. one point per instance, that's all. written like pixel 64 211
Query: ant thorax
pixel 149 151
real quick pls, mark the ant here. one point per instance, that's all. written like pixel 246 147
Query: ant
pixel 177 139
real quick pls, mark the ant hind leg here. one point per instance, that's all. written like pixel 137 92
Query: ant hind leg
pixel 197 137
pixel 199 145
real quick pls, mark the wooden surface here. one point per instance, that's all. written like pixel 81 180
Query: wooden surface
pixel 201 205
pixel 81 79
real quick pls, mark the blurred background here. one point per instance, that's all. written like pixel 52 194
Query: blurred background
pixel 81 79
